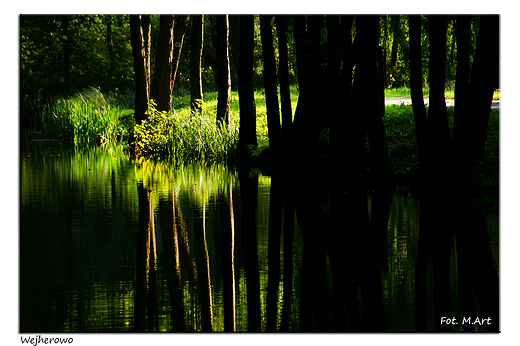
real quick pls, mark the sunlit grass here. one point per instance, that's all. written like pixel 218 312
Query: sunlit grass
pixel 89 116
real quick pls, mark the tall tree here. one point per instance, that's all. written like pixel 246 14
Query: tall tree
pixel 161 88
pixel 419 110
pixel 247 134
pixel 140 29
pixel 437 113
pixel 367 94
pixel 462 125
pixel 197 44
pixel 307 123
pixel 224 72
pixel 283 72
pixel 271 93
pixel 483 80
pixel 181 23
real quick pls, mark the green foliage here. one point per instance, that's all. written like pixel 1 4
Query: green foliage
pixel 88 116
pixel 185 135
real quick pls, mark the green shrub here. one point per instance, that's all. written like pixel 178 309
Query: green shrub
pixel 185 135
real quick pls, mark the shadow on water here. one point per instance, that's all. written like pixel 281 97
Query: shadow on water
pixel 111 245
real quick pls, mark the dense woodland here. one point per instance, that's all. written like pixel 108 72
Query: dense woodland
pixel 340 64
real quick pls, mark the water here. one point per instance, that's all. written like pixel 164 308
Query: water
pixel 111 245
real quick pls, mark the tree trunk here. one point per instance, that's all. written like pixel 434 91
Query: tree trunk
pixel 161 91
pixel 462 126
pixel 365 81
pixel 307 122
pixel 283 70
pixel 396 30
pixel 179 30
pixel 419 111
pixel 271 93
pixel 197 39
pixel 224 76
pixel 437 114
pixel 483 80
pixel 247 134
pixel 140 40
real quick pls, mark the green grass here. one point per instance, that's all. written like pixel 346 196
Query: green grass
pixel 89 116
pixel 448 94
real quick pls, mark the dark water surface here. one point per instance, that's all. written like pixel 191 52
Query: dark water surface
pixel 110 245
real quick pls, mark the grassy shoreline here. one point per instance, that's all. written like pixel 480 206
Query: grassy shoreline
pixel 94 117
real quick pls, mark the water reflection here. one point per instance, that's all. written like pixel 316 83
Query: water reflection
pixel 107 244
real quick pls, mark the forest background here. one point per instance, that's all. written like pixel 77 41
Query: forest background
pixel 509 87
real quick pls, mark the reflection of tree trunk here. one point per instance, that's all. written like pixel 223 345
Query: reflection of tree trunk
pixel 249 194
pixel 227 257
pixel 140 279
pixel 170 235
pixel 275 223
pixel 288 231
pixel 204 279
pixel 151 269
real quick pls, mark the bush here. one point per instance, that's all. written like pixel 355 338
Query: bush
pixel 185 135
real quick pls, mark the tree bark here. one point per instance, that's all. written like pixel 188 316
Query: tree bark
pixel 365 81
pixel 179 30
pixel 140 40
pixel 224 73
pixel 271 93
pixel 247 134
pixel 197 39
pixel 283 71
pixel 419 111
pixel 483 80
pixel 462 126
pixel 161 91
pixel 437 114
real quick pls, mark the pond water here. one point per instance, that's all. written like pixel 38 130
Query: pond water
pixel 111 245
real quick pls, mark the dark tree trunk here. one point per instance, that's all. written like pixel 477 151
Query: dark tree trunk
pixel 419 111
pixel 396 30
pixel 234 49
pixel 437 114
pixel 197 39
pixel 140 40
pixel 283 70
pixel 365 83
pixel 224 74
pixel 247 134
pixel 271 93
pixel 483 80
pixel 307 122
pixel 162 80
pixel 180 29
pixel 462 125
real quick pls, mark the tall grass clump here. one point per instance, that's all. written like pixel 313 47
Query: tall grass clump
pixel 185 135
pixel 89 116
